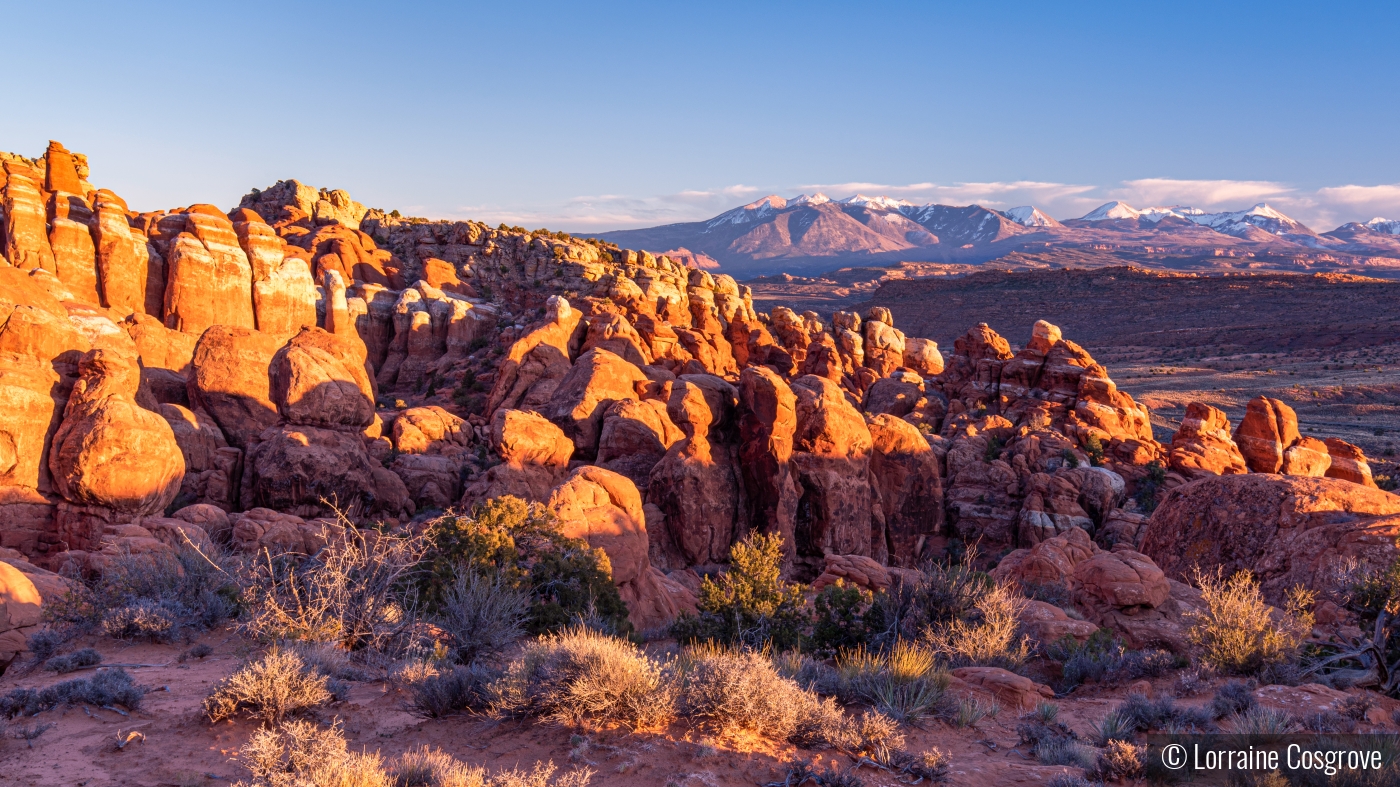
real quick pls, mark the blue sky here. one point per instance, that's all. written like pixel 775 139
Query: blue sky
pixel 601 116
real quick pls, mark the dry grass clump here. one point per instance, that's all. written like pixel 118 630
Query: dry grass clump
pixel 1236 632
pixel 300 754
pixel 989 636
pixel 444 693
pixel 1119 760
pixel 735 690
pixel 580 676
pixel 425 767
pixel 906 683
pixel 353 592
pixel 272 688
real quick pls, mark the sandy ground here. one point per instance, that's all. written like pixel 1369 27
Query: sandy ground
pixel 182 749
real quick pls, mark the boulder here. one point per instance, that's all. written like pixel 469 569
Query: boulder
pixel 1051 562
pixel 1121 579
pixel 597 380
pixel 896 395
pixel 1268 428
pixel 231 382
pixel 1203 446
pixel 904 470
pixel 430 430
pixel 109 451
pixel 1047 623
pixel 604 509
pixel 1286 530
pixel 212 519
pixel 1307 457
pixel 259 529
pixel 635 436
pixel 21 609
pixel 1012 691
pixel 307 470
pixel 534 458
pixel 319 379
pixel 1348 463
pixel 922 356
pixel 855 570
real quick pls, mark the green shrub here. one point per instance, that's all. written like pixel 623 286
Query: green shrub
pixel 158 597
pixel 111 687
pixel 1103 659
pixel 519 545
pixel 750 603
pixel 1146 496
pixel 845 617
pixel 1093 446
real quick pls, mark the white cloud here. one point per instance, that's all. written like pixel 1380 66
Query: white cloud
pixel 1206 194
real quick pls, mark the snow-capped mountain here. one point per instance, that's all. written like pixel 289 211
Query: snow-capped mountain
pixel 1239 224
pixel 815 233
pixel 1387 226
pixel 1029 216
pixel 1112 210
pixel 877 203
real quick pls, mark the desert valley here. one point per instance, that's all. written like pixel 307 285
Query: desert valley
pixel 302 492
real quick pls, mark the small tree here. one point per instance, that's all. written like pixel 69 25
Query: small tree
pixel 750 603
pixel 521 544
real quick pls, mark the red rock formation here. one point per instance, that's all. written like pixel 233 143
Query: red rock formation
pixel 597 380
pixel 1286 530
pixel 230 380
pixel 209 280
pixel 767 424
pixel 635 436
pixel 319 379
pixel 110 452
pixel 1348 463
pixel 534 458
pixel 831 465
pixel 1269 427
pixel 534 365
pixel 905 472
pixel 1202 446
pixel 26 223
pixel 21 612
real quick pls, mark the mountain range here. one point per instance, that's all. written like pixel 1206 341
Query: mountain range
pixel 814 232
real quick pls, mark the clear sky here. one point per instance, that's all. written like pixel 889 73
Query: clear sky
pixel 589 117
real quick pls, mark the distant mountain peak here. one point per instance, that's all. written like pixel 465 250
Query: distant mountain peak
pixel 813 199
pixel 1116 209
pixel 879 203
pixel 1029 216
pixel 1387 226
